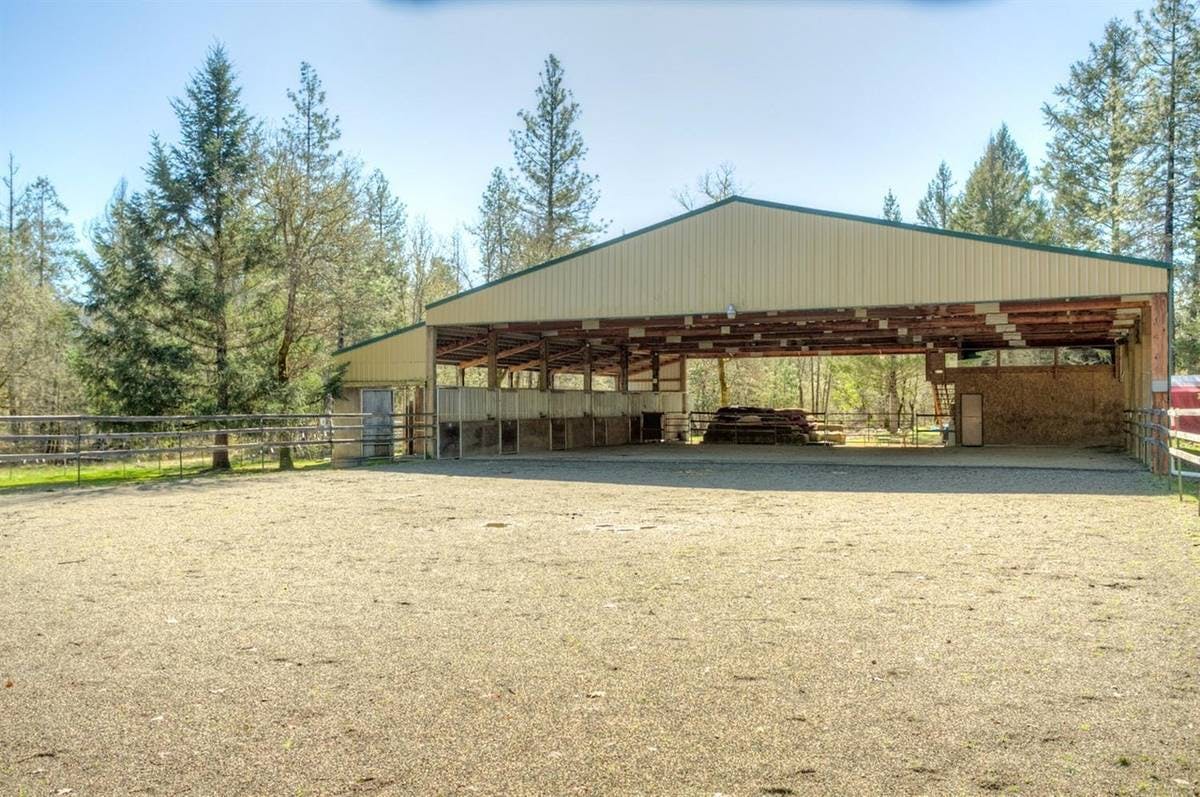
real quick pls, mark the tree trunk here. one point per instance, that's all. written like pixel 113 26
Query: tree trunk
pixel 721 381
pixel 220 455
pixel 282 371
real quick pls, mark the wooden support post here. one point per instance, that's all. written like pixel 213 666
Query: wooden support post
pixel 623 377
pixel 1159 376
pixel 654 370
pixel 429 401
pixel 544 366
pixel 587 368
pixel 493 378
pixel 461 377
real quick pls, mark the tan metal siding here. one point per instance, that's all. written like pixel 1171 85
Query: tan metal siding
pixel 763 258
pixel 393 360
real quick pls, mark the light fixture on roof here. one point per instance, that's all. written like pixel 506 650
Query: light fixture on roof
pixel 730 311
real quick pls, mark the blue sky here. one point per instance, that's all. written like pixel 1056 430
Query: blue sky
pixel 819 104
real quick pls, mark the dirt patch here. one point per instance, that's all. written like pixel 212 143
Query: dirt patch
pixel 596 628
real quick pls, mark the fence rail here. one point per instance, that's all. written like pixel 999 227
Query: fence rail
pixel 1154 438
pixel 859 428
pixel 79 440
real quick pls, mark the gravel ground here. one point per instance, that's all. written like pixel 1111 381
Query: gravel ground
pixel 580 627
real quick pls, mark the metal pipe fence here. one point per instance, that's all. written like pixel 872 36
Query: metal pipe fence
pixel 1154 438
pixel 180 442
pixel 859 428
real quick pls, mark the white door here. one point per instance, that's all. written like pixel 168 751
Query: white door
pixel 971 419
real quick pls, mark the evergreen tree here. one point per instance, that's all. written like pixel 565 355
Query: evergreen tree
pixel 35 320
pixel 379 298
pixel 1171 91
pixel 1097 138
pixel 48 237
pixel 998 198
pixel 891 207
pixel 201 194
pixel 557 197
pixel 10 188
pixel 128 364
pixel 498 231
pixel 936 208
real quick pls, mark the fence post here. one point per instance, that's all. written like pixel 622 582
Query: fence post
pixel 78 451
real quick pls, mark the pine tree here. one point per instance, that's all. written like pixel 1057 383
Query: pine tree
pixel 1097 139
pixel 35 319
pixel 891 207
pixel 936 208
pixel 557 197
pixel 48 237
pixel 998 198
pixel 128 364
pixel 1170 70
pixel 377 298
pixel 10 187
pixel 201 193
pixel 498 231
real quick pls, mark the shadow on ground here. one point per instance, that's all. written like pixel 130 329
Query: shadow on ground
pixel 982 472
pixel 777 477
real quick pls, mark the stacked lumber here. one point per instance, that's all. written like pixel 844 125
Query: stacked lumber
pixel 758 425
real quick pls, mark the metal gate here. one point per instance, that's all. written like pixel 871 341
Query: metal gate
pixel 377 425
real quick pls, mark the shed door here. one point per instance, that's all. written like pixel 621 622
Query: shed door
pixel 377 425
pixel 971 425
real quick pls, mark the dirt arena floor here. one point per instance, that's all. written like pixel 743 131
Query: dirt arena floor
pixel 575 627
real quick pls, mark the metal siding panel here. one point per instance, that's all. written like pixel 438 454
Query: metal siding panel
pixel 768 258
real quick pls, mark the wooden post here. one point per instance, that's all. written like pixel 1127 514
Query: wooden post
pixel 493 378
pixel 654 369
pixel 78 452
pixel 1159 376
pixel 623 377
pixel 430 408
pixel 544 366
pixel 587 368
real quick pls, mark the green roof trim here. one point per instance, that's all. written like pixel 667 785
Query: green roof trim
pixel 762 203
pixel 378 338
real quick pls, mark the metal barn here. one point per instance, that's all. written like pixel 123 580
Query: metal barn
pixel 749 278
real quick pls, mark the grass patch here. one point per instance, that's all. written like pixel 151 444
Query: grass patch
pixel 19 476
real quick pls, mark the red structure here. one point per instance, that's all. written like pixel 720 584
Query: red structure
pixel 1185 395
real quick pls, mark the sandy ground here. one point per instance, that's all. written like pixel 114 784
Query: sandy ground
pixel 574 627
